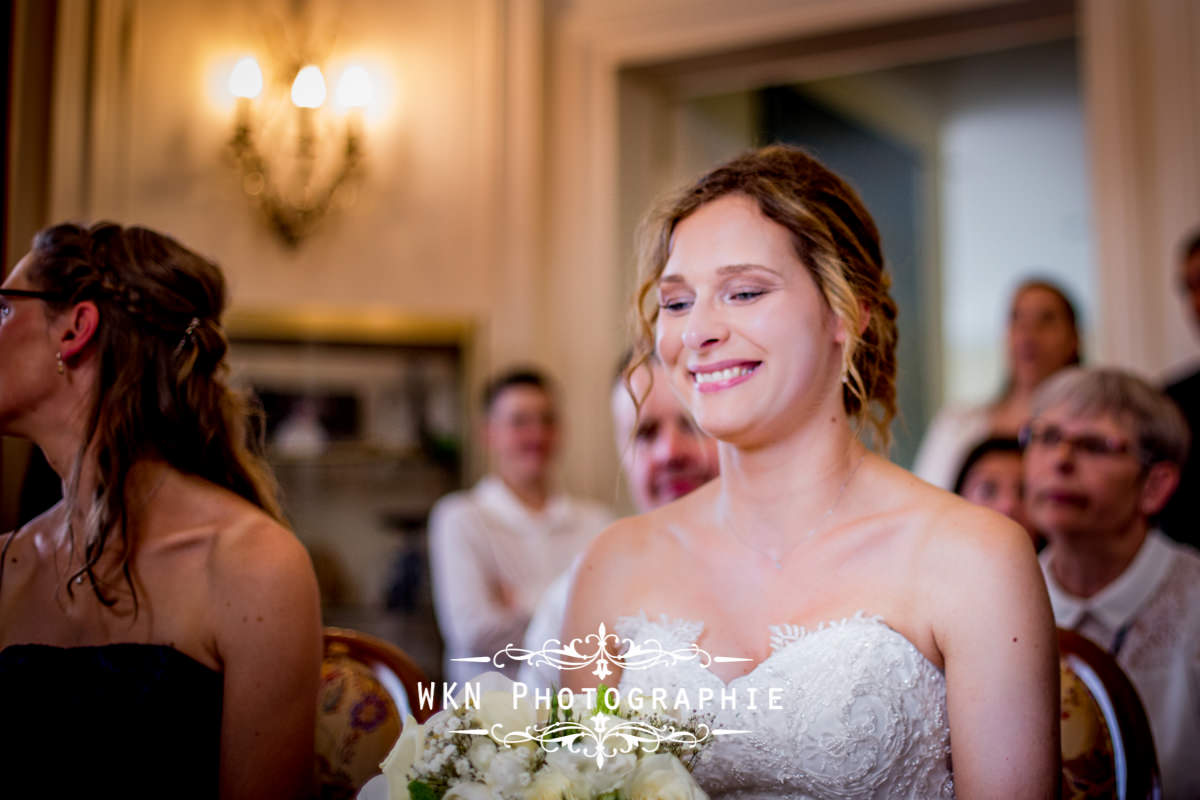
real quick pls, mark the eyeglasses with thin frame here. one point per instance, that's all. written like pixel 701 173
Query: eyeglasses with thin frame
pixel 35 294
pixel 1089 445
pixel 48 297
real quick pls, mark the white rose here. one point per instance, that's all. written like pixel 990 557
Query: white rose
pixel 501 713
pixel 482 683
pixel 404 754
pixel 616 771
pixel 500 707
pixel 470 791
pixel 588 780
pixel 660 776
pixel 551 784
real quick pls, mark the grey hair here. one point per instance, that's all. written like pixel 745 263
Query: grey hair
pixel 1157 423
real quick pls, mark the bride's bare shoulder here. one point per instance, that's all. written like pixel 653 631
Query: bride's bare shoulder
pixel 939 517
pixel 962 529
pixel 628 559
pixel 622 545
pixel 948 535
pixel 635 543
pixel 962 546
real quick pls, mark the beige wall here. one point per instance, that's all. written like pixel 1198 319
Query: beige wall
pixel 448 221
pixel 1141 81
pixel 495 189
pixel 421 236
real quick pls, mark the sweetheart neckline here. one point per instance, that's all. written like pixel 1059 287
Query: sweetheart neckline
pixel 795 634
pixel 863 711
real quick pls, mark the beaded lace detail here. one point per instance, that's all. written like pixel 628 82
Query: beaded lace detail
pixel 863 713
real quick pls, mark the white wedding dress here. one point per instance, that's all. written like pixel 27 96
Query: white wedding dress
pixel 863 713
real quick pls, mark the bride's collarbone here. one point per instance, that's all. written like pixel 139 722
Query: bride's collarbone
pixel 766 574
pixel 741 611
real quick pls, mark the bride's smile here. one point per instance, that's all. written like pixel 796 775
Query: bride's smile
pixel 744 331
pixel 722 375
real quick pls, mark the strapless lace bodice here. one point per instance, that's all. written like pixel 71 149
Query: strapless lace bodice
pixel 861 713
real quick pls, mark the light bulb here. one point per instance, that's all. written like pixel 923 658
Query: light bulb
pixel 246 80
pixel 308 90
pixel 354 88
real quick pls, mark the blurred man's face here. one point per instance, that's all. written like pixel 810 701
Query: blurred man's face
pixel 522 434
pixel 1083 477
pixel 664 455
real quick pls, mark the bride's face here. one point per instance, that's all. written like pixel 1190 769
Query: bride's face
pixel 749 343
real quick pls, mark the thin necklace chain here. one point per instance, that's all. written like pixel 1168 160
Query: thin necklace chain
pixel 777 561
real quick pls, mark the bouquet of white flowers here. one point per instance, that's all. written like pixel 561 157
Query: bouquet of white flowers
pixel 503 747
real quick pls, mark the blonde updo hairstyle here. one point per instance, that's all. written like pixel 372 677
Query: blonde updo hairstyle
pixel 834 237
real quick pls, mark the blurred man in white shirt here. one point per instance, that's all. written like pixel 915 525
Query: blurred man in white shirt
pixel 1103 454
pixel 495 548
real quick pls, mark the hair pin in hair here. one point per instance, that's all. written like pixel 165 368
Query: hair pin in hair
pixel 189 334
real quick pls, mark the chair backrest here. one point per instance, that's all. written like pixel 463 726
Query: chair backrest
pixel 367 687
pixel 1107 747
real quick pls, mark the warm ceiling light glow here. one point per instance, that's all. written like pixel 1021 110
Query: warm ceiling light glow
pixel 308 90
pixel 354 88
pixel 246 80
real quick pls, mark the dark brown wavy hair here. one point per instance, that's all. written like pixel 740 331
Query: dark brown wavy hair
pixel 834 236
pixel 161 387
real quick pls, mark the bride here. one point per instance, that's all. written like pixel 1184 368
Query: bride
pixel 909 633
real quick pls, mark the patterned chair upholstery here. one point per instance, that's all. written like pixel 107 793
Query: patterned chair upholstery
pixel 368 686
pixel 1107 749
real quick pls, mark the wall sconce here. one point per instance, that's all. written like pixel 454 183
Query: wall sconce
pixel 304 170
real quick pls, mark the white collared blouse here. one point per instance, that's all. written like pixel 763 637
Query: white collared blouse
pixel 485 538
pixel 1150 618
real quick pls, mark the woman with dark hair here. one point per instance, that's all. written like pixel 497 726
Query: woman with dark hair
pixel 992 477
pixel 904 629
pixel 161 628
pixel 1042 338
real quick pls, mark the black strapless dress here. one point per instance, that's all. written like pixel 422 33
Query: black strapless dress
pixel 118 720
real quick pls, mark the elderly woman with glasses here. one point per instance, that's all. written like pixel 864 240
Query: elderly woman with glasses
pixel 1102 455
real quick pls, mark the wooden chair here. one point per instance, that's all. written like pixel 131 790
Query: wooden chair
pixel 368 686
pixel 1107 747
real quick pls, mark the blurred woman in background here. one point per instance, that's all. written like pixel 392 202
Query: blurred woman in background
pixel 161 629
pixel 992 476
pixel 1043 337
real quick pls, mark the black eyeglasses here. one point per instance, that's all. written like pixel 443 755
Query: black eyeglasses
pixel 1092 445
pixel 49 296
